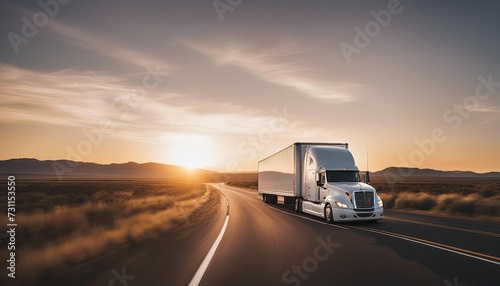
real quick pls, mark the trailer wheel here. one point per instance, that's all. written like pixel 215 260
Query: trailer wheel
pixel 298 205
pixel 270 199
pixel 273 199
pixel 328 214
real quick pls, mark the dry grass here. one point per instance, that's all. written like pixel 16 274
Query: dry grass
pixel 470 205
pixel 244 184
pixel 484 187
pixel 79 220
pixel 456 196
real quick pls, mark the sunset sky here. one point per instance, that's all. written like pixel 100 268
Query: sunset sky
pixel 223 84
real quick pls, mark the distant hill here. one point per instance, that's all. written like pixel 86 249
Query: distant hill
pixel 416 172
pixel 66 168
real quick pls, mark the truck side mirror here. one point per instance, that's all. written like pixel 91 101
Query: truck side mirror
pixel 367 177
pixel 320 179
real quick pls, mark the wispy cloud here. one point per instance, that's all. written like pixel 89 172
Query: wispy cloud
pixel 104 46
pixel 490 109
pixel 275 66
pixel 489 121
pixel 83 99
pixel 64 97
pixel 483 109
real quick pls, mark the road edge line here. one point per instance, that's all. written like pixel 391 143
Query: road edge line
pixel 432 244
pixel 204 265
pixel 438 225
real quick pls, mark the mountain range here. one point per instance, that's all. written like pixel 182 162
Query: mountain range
pixel 58 168
pixel 67 168
pixel 416 172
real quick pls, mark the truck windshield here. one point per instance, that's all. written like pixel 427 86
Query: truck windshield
pixel 342 176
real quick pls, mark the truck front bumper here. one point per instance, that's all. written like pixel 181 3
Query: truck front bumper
pixel 340 215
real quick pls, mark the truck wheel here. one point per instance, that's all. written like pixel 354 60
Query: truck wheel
pixel 298 207
pixel 328 214
pixel 272 199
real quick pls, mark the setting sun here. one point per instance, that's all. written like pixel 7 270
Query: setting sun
pixel 190 151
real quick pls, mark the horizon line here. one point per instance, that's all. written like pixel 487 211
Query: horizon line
pixel 247 171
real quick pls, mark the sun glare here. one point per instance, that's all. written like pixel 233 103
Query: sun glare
pixel 191 152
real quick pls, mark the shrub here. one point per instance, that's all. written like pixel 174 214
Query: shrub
pixel 419 201
pixel 388 199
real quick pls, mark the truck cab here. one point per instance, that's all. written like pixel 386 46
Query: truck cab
pixel 333 189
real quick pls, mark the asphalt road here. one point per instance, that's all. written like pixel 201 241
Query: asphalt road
pixel 272 245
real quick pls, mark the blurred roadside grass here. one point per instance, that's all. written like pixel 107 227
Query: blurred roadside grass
pixel 455 196
pixel 71 221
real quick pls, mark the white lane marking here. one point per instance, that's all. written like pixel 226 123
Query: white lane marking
pixel 308 218
pixel 395 235
pixel 204 265
pixel 438 225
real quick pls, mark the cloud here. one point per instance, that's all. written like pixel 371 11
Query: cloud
pixel 64 97
pixel 491 109
pixel 489 121
pixel 104 46
pixel 277 66
pixel 483 109
pixel 84 99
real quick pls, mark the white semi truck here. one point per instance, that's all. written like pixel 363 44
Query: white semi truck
pixel 321 179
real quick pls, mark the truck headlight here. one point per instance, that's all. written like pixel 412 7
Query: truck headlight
pixel 341 205
pixel 379 202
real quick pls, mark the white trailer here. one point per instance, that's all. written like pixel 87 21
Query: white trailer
pixel 320 179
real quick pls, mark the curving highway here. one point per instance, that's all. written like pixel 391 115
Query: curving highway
pixel 242 241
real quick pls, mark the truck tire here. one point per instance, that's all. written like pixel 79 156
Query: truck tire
pixel 289 200
pixel 328 214
pixel 273 199
pixel 298 205
pixel 270 199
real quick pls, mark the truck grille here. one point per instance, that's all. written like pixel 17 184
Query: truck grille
pixel 364 200
pixel 364 214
